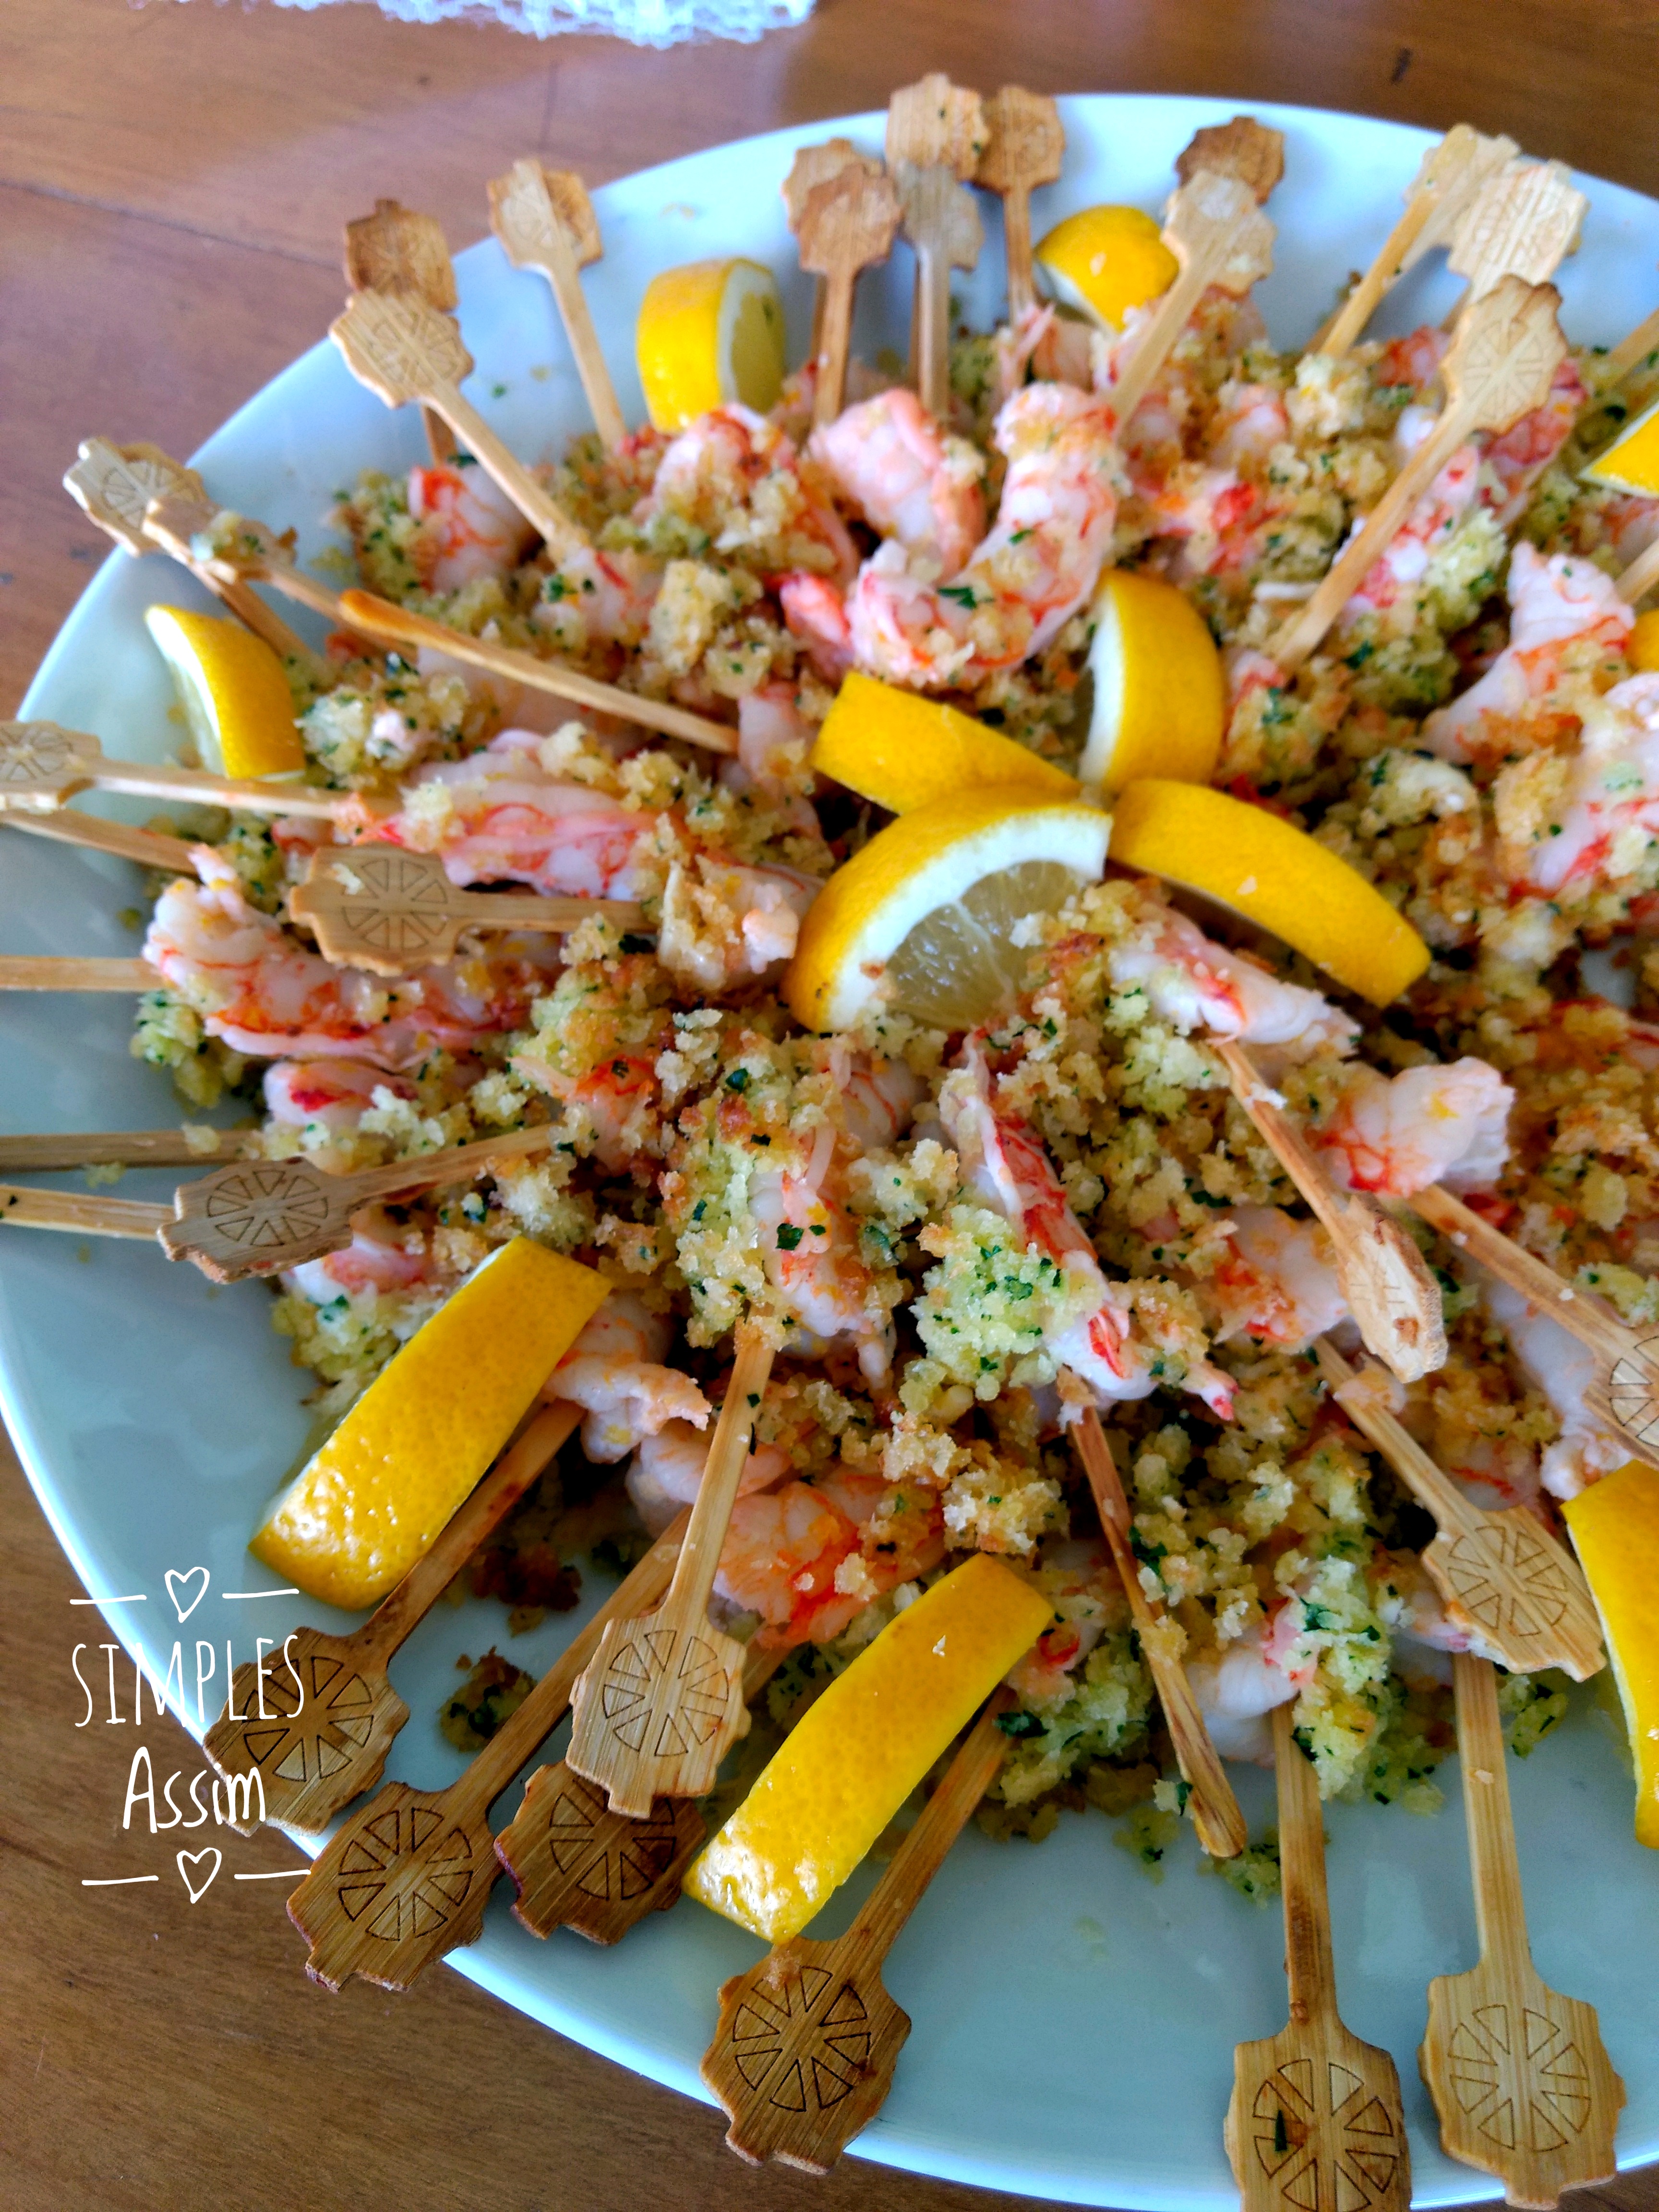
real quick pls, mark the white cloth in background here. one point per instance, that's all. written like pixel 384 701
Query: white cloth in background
pixel 641 22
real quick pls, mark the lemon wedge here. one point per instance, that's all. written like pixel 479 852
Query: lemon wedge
pixel 857 1752
pixel 1103 261
pixel 1641 645
pixel 1631 463
pixel 1615 1532
pixel 925 912
pixel 903 751
pixel 233 691
pixel 1267 871
pixel 709 333
pixel 1159 698
pixel 366 1506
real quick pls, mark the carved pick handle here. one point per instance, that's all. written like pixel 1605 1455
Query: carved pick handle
pixel 400 347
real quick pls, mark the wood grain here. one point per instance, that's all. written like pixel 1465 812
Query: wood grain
pixel 162 2054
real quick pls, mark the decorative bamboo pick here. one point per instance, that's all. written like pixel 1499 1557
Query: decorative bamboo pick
pixel 1388 1288
pixel 578 1865
pixel 1502 360
pixel 1520 2079
pixel 1638 579
pixel 661 1703
pixel 1520 1595
pixel 1315 2119
pixel 1216 1815
pixel 42 766
pixel 78 1215
pixel 24 971
pixel 127 1148
pixel 1244 149
pixel 804 2055
pixel 1626 1392
pixel 1025 147
pixel 1643 341
pixel 315 1719
pixel 1219 234
pixel 267 1215
pixel 390 911
pixel 847 222
pixel 544 220
pixel 935 137
pixel 407 1878
pixel 1450 175
pixel 115 484
pixel 148 847
pixel 811 167
pixel 241 549
pixel 1522 222
pixel 393 625
pixel 403 350
pixel 394 250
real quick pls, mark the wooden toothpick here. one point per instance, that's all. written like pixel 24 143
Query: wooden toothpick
pixel 1218 235
pixel 1025 147
pixel 315 1719
pixel 42 766
pixel 1519 1594
pixel 1216 1815
pixel 1641 342
pixel 1500 367
pixel 847 223
pixel 128 1148
pixel 67 826
pixel 242 550
pixel 405 350
pixel 804 2055
pixel 544 220
pixel 395 250
pixel 814 166
pixel 662 1702
pixel 1385 1280
pixel 936 135
pixel 1522 222
pixel 407 1879
pixel 1638 579
pixel 78 1216
pixel 1450 176
pixel 1315 2119
pixel 1519 2076
pixel 1625 1393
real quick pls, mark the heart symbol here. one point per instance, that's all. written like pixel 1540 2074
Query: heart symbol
pixel 189 1576
pixel 194 1859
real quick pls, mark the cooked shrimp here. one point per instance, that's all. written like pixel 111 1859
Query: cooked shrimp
pixel 1565 1370
pixel 1452 495
pixel 1008 1170
pixel 810 1249
pixel 331 1095
pixel 1239 1687
pixel 1080 1582
pixel 667 1468
pixel 911 480
pixel 266 996
pixel 609 1113
pixel 1422 1633
pixel 1517 457
pixel 736 477
pixel 1605 814
pixel 878 1097
pixel 1276 1283
pixel 723 925
pixel 472 528
pixel 1554 603
pixel 816 611
pixel 593 594
pixel 1194 983
pixel 615 1372
pixel 382 1256
pixel 1430 1124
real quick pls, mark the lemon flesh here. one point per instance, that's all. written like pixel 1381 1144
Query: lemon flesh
pixel 1641 645
pixel 709 333
pixel 1631 463
pixel 1104 261
pixel 856 1755
pixel 1615 1532
pixel 1158 698
pixel 1269 873
pixel 903 751
pixel 372 1501
pixel 233 691
pixel 923 917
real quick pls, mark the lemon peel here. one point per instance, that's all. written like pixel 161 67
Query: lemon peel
pixel 1104 261
pixel 1159 702
pixel 707 334
pixel 233 691
pixel 903 751
pixel 1615 1532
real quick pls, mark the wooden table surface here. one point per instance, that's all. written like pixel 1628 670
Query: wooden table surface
pixel 172 181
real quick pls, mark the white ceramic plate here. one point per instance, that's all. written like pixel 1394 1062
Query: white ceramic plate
pixel 1074 2024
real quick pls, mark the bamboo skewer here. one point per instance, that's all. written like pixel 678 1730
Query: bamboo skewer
pixel 52 971
pixel 935 137
pixel 395 250
pixel 42 767
pixel 544 220
pixel 148 848
pixel 129 1148
pixel 315 1719
pixel 80 1215
pixel 1025 148
pixel 1625 356
pixel 1315 2119
pixel 1216 1815
pixel 405 350
pixel 1439 194
pixel 661 1703
pixel 1389 1289
pixel 1523 221
pixel 1500 367
pixel 1641 576
pixel 1520 1595
pixel 1217 233
pixel 803 2054
pixel 577 1864
pixel 115 484
pixel 215 543
pixel 847 223
pixel 1520 2078
pixel 393 625
pixel 814 166
pixel 407 1878
pixel 391 911
pixel 1625 1393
